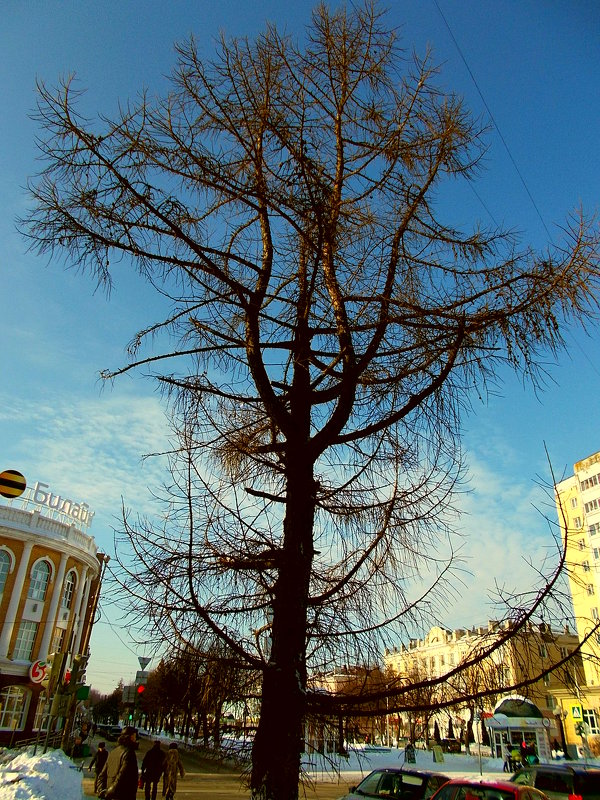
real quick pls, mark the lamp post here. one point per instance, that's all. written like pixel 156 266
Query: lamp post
pixel 561 716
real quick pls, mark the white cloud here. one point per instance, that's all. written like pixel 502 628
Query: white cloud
pixel 89 449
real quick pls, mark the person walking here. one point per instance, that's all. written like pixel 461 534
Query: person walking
pixel 505 758
pixel 98 761
pixel 152 768
pixel 172 767
pixel 122 769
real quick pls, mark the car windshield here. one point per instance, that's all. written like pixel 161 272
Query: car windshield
pixel 391 784
pixel 483 792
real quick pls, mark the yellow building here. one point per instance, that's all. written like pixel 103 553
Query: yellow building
pixel 50 574
pixel 521 657
pixel 578 507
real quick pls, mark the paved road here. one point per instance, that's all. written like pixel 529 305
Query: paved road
pixel 202 781
pixel 203 785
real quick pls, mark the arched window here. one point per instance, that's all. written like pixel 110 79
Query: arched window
pixel 14 704
pixel 68 590
pixel 4 569
pixel 40 576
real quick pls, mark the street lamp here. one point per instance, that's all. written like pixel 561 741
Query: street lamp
pixel 561 716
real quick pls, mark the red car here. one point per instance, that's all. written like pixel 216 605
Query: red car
pixel 459 789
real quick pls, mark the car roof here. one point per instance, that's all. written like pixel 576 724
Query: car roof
pixel 494 784
pixel 411 771
pixel 559 768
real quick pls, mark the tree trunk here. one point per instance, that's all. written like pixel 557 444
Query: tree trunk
pixel 278 743
pixel 217 726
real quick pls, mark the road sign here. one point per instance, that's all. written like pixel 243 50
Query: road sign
pixel 129 694
pixel 144 661
pixel 12 483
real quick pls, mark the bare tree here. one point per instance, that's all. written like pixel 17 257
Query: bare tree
pixel 331 328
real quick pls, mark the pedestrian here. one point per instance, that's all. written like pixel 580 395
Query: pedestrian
pixel 515 758
pixel 122 769
pixel 152 769
pixel 98 761
pixel 506 758
pixel 524 752
pixel 172 767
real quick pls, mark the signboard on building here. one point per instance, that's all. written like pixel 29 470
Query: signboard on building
pixel 37 671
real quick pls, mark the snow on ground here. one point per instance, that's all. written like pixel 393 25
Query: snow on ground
pixel 49 776
pixel 361 760
pixel 53 776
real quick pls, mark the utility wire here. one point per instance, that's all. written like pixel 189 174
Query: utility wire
pixel 483 100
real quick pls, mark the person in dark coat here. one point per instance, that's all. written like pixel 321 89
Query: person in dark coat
pixel 98 761
pixel 152 769
pixel 172 768
pixel 122 768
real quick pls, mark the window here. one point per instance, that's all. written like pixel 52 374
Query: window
pixel 550 701
pixel 40 577
pixel 594 528
pixel 581 544
pixel 587 483
pixel 25 639
pixel 577 522
pixel 589 717
pixel 573 502
pixel 68 590
pixel 41 714
pixel 593 505
pixel 58 639
pixel 586 566
pixel 596 552
pixel 594 613
pixel 590 588
pixel 14 704
pixel 4 570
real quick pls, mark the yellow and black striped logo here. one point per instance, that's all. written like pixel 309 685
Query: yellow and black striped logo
pixel 12 483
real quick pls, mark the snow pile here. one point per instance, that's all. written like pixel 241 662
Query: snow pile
pixel 49 776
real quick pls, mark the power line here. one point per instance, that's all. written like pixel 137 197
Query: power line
pixel 489 111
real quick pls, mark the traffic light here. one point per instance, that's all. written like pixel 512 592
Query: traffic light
pixel 141 678
pixel 55 667
pixel 78 671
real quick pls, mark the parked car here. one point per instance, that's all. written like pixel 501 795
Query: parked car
pixel 460 789
pixel 110 732
pixel 404 783
pixel 450 745
pixel 559 781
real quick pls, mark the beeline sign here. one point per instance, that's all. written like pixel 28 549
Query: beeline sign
pixel 77 511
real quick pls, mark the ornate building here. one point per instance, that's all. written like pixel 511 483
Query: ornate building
pixel 50 575
pixel 533 651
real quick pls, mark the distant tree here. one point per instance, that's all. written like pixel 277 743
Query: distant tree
pixel 436 732
pixel 108 708
pixel 332 328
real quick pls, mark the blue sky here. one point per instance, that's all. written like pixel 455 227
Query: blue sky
pixel 533 65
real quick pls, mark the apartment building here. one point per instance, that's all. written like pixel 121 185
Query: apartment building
pixel 50 574
pixel 578 507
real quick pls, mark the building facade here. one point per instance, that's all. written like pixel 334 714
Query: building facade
pixel 578 507
pixel 50 575
pixel 523 656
